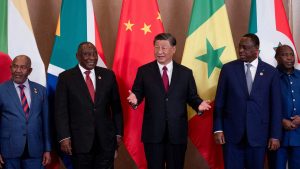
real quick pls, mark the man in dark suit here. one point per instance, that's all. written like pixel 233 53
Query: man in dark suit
pixel 24 129
pixel 167 88
pixel 247 115
pixel 88 114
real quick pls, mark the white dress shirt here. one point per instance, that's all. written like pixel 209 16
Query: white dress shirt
pixel 92 75
pixel 169 71
pixel 253 67
pixel 26 91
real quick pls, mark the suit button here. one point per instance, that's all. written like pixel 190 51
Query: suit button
pixel 24 134
pixel 167 99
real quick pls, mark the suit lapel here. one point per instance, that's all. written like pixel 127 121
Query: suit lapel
pixel 15 98
pixel 240 71
pixel 175 77
pixel 33 95
pixel 80 83
pixel 258 75
pixel 98 81
pixel 157 75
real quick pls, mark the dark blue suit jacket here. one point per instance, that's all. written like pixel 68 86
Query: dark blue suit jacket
pixel 238 114
pixel 14 130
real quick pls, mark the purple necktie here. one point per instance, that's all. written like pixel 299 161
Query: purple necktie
pixel 89 84
pixel 24 102
pixel 165 78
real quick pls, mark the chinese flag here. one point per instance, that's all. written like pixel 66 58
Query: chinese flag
pixel 140 22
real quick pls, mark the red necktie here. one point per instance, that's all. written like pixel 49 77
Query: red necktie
pixel 165 78
pixel 24 102
pixel 89 84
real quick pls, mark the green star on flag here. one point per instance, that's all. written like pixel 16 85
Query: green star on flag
pixel 212 57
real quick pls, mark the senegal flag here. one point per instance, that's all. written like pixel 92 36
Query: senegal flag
pixel 208 46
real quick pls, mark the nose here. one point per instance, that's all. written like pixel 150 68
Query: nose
pixel 241 49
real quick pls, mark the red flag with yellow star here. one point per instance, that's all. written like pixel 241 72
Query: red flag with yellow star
pixel 140 22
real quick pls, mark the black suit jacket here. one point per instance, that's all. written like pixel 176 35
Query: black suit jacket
pixel 76 116
pixel 165 109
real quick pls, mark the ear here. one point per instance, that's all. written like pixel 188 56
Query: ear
pixel 29 71
pixel 257 52
pixel 174 49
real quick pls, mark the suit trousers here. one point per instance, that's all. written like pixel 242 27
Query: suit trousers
pixel 285 154
pixel 243 156
pixel 24 162
pixel 96 158
pixel 165 154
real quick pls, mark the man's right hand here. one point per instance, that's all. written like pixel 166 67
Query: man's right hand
pixel 288 124
pixel 219 138
pixel 65 146
pixel 1 162
pixel 132 100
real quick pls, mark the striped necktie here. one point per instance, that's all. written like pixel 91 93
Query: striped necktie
pixel 24 102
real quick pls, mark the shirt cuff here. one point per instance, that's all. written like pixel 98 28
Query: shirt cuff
pixel 64 139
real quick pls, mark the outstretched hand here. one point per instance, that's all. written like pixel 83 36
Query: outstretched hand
pixel 132 100
pixel 205 105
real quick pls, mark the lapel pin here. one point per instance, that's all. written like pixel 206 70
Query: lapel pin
pixel 35 90
pixel 99 77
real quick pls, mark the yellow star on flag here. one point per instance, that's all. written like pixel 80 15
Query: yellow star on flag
pixel 146 28
pixel 158 16
pixel 129 25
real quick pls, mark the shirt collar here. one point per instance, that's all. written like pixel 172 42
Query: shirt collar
pixel 254 63
pixel 282 72
pixel 83 70
pixel 26 84
pixel 169 66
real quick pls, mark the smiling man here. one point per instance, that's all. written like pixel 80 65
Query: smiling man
pixel 247 114
pixel 88 113
pixel 167 87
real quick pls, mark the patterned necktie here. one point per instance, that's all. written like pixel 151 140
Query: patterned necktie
pixel 89 84
pixel 165 78
pixel 24 102
pixel 249 77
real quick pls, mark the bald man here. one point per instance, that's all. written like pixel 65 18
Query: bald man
pixel 24 128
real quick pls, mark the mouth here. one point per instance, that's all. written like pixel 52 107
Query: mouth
pixel 91 63
pixel 18 76
pixel 290 63
pixel 160 56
